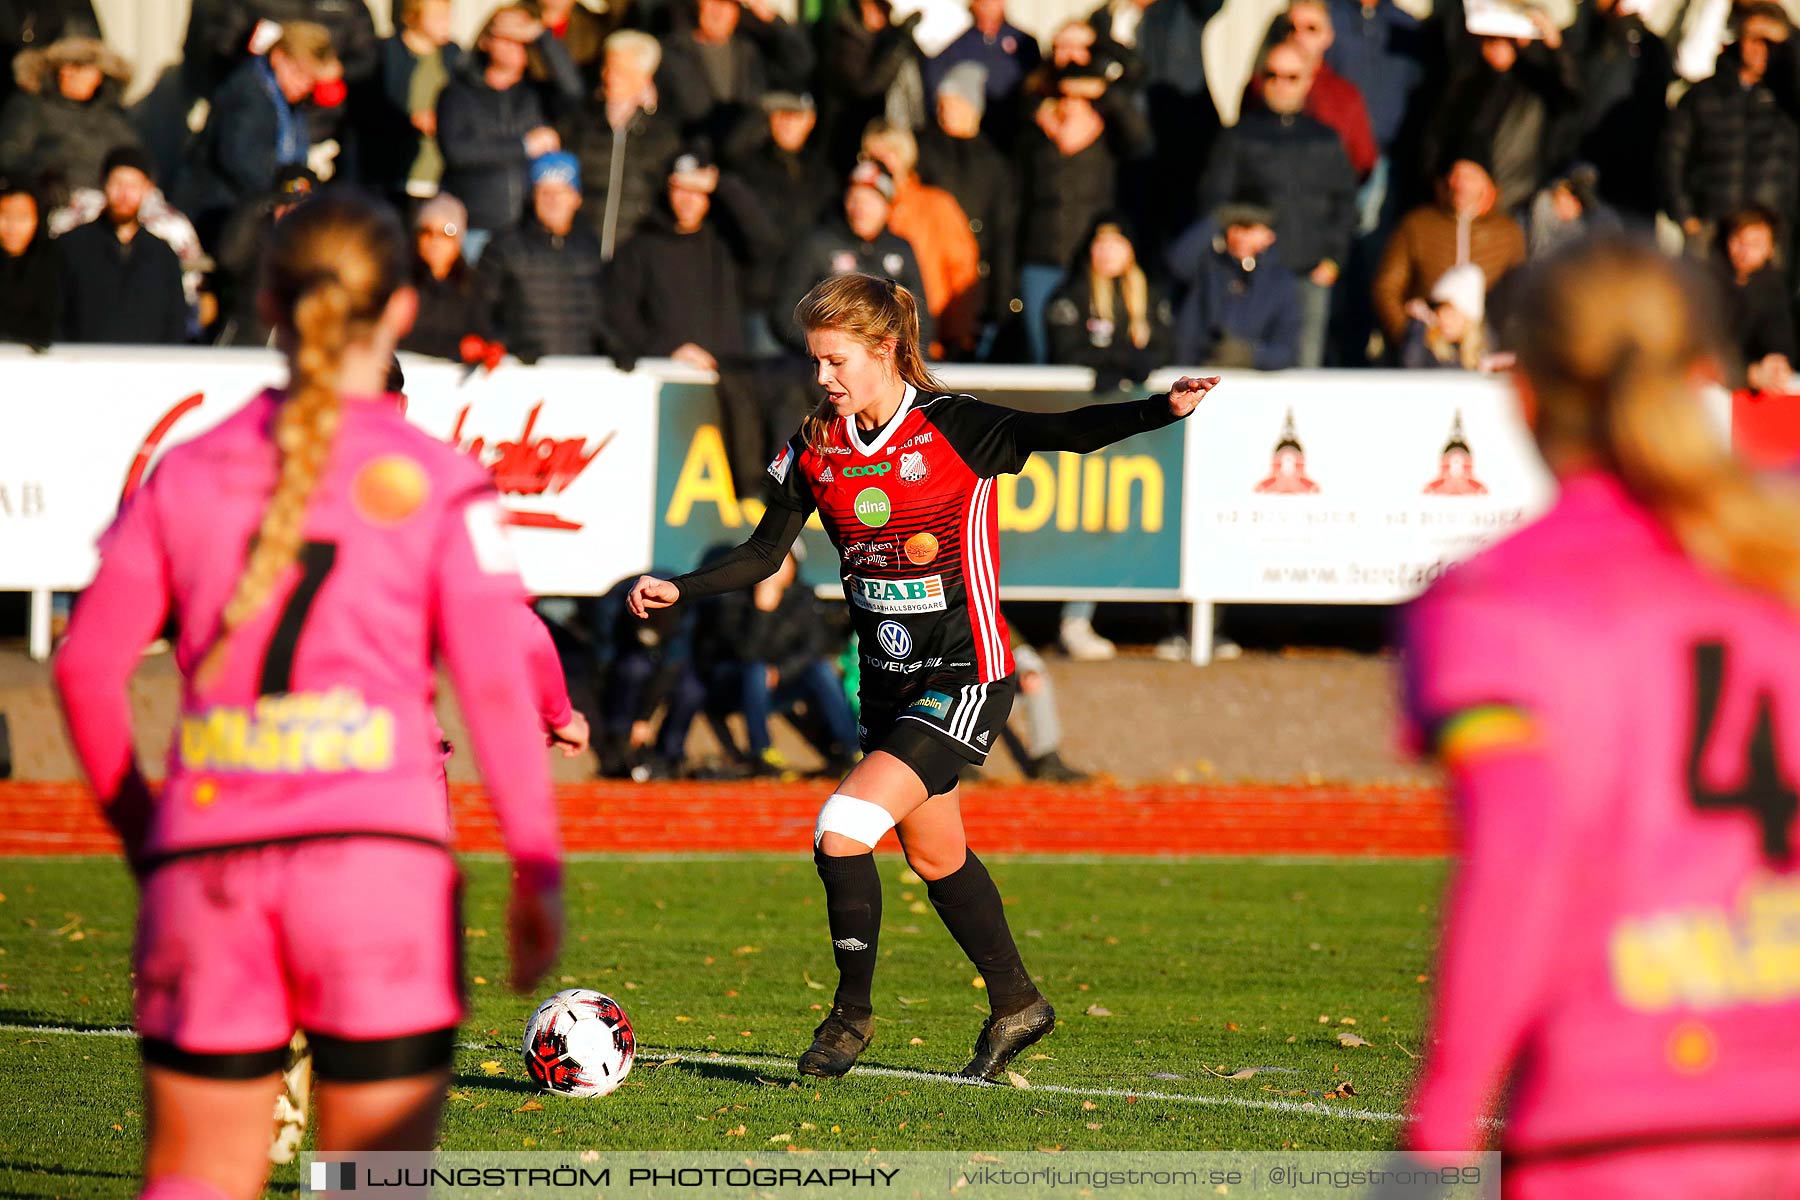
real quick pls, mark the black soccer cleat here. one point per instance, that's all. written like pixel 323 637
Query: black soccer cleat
pixel 837 1042
pixel 1003 1037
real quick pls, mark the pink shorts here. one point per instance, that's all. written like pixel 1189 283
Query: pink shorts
pixel 353 939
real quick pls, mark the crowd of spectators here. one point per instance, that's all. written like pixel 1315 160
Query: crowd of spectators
pixel 585 168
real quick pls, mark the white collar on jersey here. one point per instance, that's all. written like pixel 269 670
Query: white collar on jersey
pixel 887 431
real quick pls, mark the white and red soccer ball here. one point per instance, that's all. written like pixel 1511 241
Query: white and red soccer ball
pixel 579 1043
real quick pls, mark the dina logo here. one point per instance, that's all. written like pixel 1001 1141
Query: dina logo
pixel 1287 469
pixel 1456 467
pixel 872 507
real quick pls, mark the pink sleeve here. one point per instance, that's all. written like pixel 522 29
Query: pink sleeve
pixel 478 593
pixel 118 615
pixel 548 685
pixel 1505 903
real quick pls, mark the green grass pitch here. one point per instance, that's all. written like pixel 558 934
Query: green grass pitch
pixel 1166 976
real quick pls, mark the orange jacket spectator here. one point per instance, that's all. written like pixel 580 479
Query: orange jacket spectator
pixel 935 224
pixel 1462 226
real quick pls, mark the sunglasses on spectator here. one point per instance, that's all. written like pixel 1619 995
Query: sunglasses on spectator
pixel 1287 78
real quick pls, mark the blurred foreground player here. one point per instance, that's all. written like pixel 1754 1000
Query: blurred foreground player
pixel 1613 693
pixel 319 551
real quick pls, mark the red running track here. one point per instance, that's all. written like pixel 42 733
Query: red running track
pixel 1172 819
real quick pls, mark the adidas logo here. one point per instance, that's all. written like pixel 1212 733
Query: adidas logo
pixel 982 737
pixel 825 475
pixel 851 943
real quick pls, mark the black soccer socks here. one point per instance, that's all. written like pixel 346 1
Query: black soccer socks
pixel 969 904
pixel 853 906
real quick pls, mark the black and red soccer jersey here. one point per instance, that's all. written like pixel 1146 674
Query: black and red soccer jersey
pixel 910 508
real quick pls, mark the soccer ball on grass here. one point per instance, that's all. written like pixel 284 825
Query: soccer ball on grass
pixel 579 1043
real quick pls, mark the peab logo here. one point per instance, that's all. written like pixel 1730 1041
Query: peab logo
pixel 925 594
pixel 872 507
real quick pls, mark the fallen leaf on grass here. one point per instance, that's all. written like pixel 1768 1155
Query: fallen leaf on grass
pixel 1341 1090
pixel 918 1041
pixel 1350 1039
pixel 738 1132
pixel 1088 1106
pixel 1093 1124
pixel 807 1125
pixel 1166 1075
pixel 1095 1010
pixel 812 983
pixel 530 1106
pixel 906 1000
pixel 782 1137
pixel 1018 1080
pixel 741 951
pixel 1038 1058
pixel 493 1067
pixel 1241 1073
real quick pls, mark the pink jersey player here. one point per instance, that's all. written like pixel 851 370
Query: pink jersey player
pixel 1615 694
pixel 318 553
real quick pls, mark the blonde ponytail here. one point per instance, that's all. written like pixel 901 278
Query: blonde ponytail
pixel 871 310
pixel 332 267
pixel 1612 337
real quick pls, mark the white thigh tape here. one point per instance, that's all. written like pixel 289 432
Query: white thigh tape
pixel 858 820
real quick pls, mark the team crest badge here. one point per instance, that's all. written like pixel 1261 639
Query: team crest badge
pixel 912 466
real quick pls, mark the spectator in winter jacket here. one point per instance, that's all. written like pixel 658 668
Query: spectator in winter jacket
pixel 717 65
pixel 1567 209
pixel 622 140
pixel 453 300
pixel 956 155
pixel 33 24
pixel 1005 54
pixel 1069 170
pixel 936 227
pixel 543 278
pixel 1462 226
pixel 66 115
pixel 493 121
pixel 870 67
pixel 674 291
pixel 781 158
pixel 1331 99
pixel 1446 331
pixel 1626 70
pixel 403 156
pixel 1380 48
pixel 1240 307
pixel 1277 151
pixel 237 262
pixel 1108 315
pixel 861 244
pixel 257 126
pixel 1729 144
pixel 582 31
pixel 349 27
pixel 1758 304
pixel 156 215
pixel 1518 96
pixel 30 271
pixel 120 283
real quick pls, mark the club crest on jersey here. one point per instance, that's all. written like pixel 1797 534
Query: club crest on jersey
pixel 894 639
pixel 779 468
pixel 897 596
pixel 912 466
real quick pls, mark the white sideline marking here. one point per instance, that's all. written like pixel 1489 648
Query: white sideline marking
pixel 1301 1108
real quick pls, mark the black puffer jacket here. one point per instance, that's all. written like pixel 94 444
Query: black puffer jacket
pixel 799 190
pixel 1061 195
pixel 1299 165
pixel 654 293
pixel 835 250
pixel 482 134
pixel 985 183
pixel 1081 337
pixel 1727 146
pixel 229 23
pixel 765 56
pixel 546 291
pixel 43 134
pixel 31 292
pixel 639 153
pixel 450 309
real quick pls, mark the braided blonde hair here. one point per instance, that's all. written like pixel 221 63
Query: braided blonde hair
pixel 1610 335
pixel 330 268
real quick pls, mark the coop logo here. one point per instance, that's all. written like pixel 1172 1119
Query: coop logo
pixel 872 507
pixel 531 466
pixel 894 639
pixel 874 469
pixel 897 596
pixel 332 1177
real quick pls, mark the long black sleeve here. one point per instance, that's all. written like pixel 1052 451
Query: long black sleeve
pixel 997 441
pixel 750 563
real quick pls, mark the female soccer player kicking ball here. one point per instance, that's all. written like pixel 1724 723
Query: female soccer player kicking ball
pixel 1614 695
pixel 902 474
pixel 295 869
